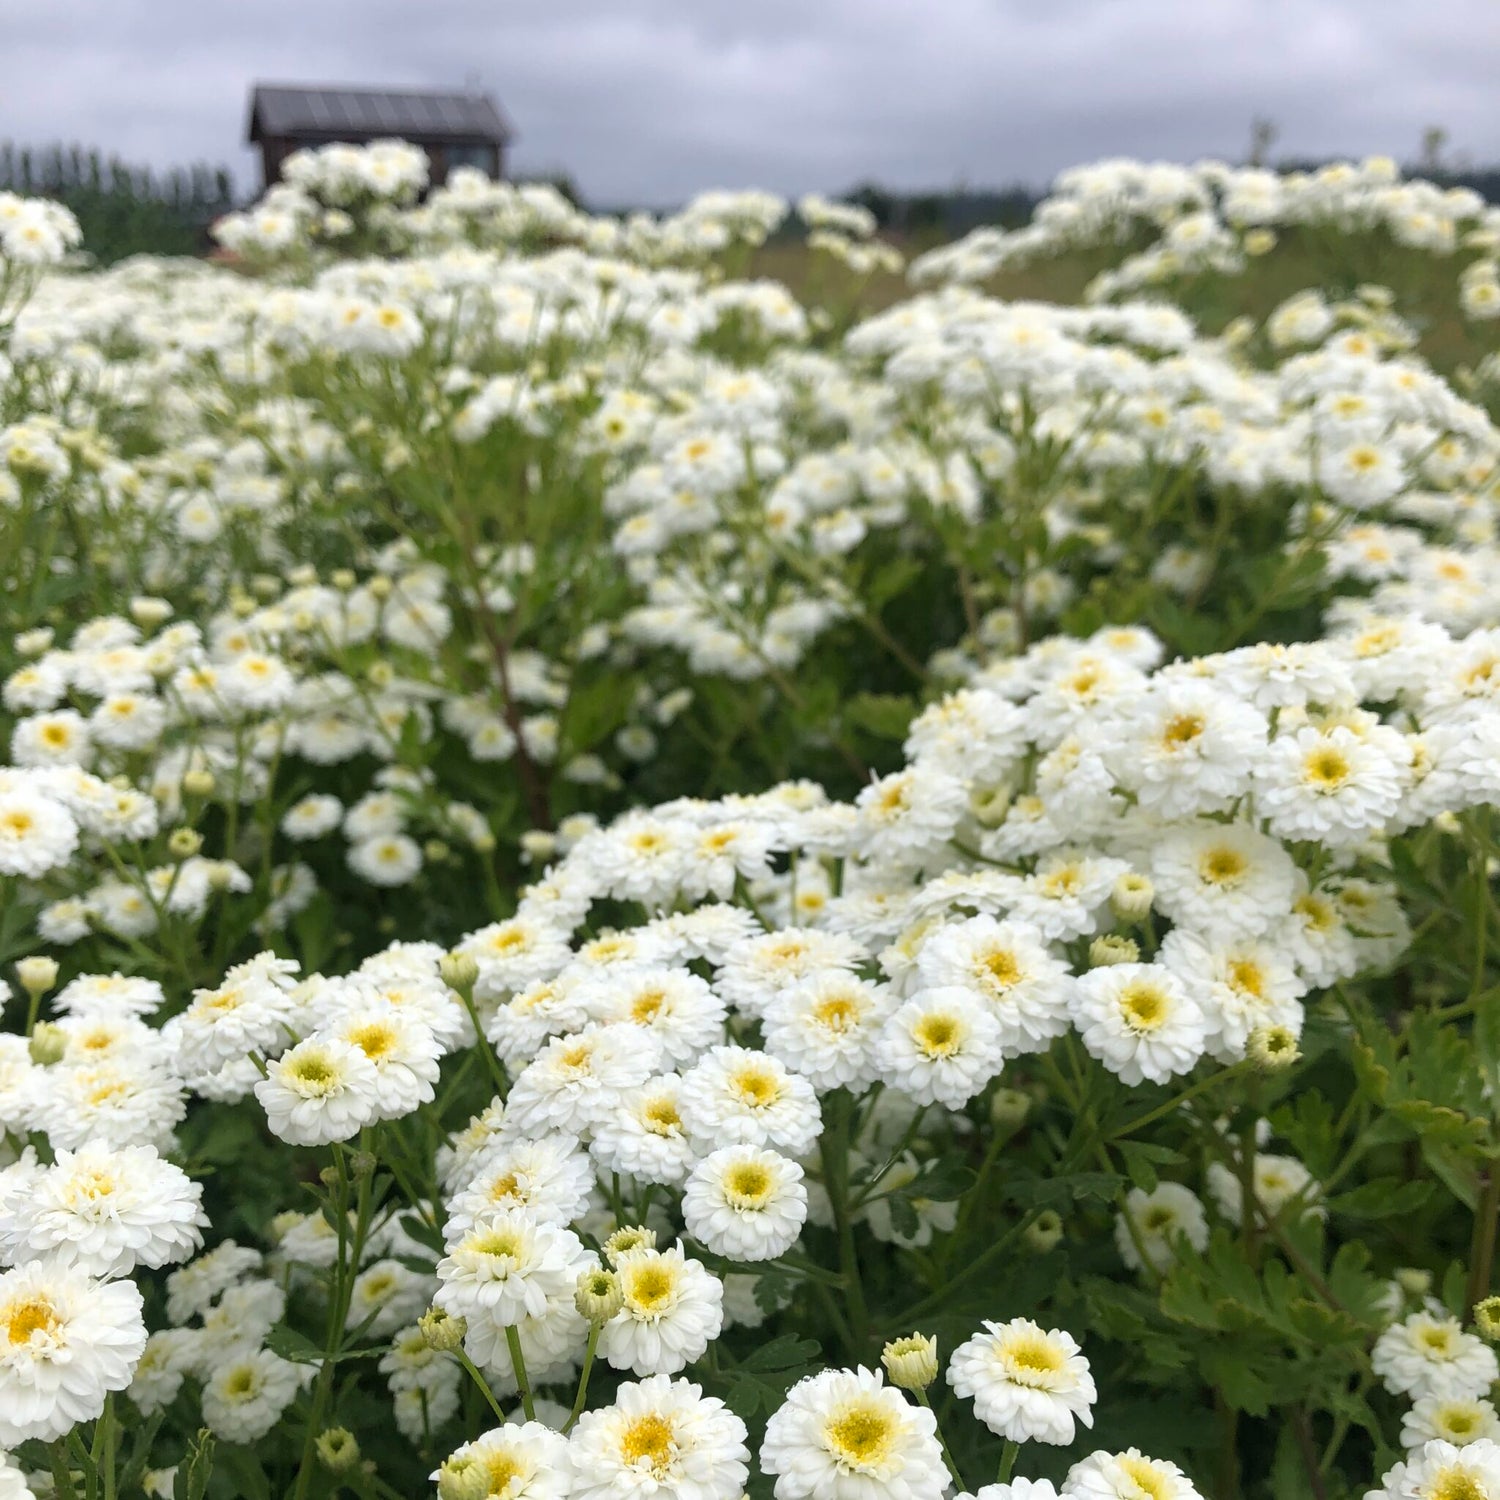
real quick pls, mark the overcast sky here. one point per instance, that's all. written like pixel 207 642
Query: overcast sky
pixel 648 101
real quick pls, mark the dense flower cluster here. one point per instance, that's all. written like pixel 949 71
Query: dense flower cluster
pixel 586 847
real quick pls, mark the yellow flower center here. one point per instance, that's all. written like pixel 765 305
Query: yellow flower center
pixel 19 822
pixel 648 1442
pixel 29 1317
pixel 241 1382
pixel 650 1287
pixel 376 1040
pixel 502 1470
pixel 1000 968
pixel 1222 865
pixel 1327 768
pixel 1456 1484
pixel 661 1117
pixel 1248 977
pixel 1029 1356
pixel 503 1187
pixel 747 1185
pixel 1438 1341
pixel 1182 729
pixel 1158 1219
pixel 500 1243
pixel 1144 1006
pixel 647 1006
pixel 938 1035
pixel 837 1013
pixel 860 1435
pixel 755 1087
pixel 312 1070
pixel 1150 1482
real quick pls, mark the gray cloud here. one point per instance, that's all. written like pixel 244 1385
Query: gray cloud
pixel 647 101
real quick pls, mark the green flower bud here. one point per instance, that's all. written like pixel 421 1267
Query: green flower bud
pixel 441 1330
pixel 911 1362
pixel 337 1449
pixel 1044 1231
pixel 458 971
pixel 1113 949
pixel 599 1296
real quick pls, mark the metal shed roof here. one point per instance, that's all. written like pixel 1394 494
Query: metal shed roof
pixel 335 113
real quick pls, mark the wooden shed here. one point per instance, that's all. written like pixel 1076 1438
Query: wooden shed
pixel 455 129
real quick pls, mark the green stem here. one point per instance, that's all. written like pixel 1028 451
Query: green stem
pixel 477 1376
pixel 518 1364
pixel 583 1377
pixel 834 1149
pixel 1482 1245
pixel 1008 1461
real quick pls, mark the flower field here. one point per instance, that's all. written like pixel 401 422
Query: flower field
pixel 617 883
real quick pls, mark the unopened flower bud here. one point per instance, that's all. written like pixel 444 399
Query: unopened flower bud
pixel 184 843
pixel 37 974
pixel 599 1295
pixel 1272 1048
pixel 1008 1109
pixel 463 1478
pixel 1414 1281
pixel 990 807
pixel 441 1330
pixel 1260 241
pixel 48 1044
pixel 342 579
pixel 911 1362
pixel 1111 948
pixel 434 851
pixel 1044 1231
pixel 632 1237
pixel 459 971
pixel 337 1449
pixel 148 611
pixel 380 586
pixel 198 783
pixel 1487 1319
pixel 1132 897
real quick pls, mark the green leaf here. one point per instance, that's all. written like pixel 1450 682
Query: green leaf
pixel 784 1353
pixel 885 715
pixel 1229 1372
pixel 194 1471
pixel 287 1343
pixel 1385 1198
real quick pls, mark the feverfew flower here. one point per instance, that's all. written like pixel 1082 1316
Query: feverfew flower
pixel 322 1090
pixel 737 1095
pixel 1429 1355
pixel 520 1461
pixel 673 1311
pixel 1027 1383
pixel 107 1210
pixel 941 1047
pixel 68 1341
pixel 1438 1470
pixel 825 1029
pixel 245 1396
pixel 1140 1022
pixel 1459 1420
pixel 660 1439
pixel 745 1203
pixel 1150 1227
pixel 1127 1476
pixel 1328 785
pixel 846 1435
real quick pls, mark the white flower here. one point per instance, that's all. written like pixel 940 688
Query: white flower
pixel 322 1090
pixel 1429 1355
pixel 825 1029
pixel 520 1461
pixel 1224 880
pixel 1459 1420
pixel 1140 1022
pixel 107 1210
pixel 735 1095
pixel 941 1047
pixel 389 859
pixel 745 1203
pixel 1127 1476
pixel 66 1341
pixel 646 1137
pixel 1027 1383
pixel 660 1439
pixel 846 1435
pixel 1011 969
pixel 1150 1226
pixel 245 1396
pixel 37 834
pixel 1328 785
pixel 576 1080
pixel 550 1178
pixel 404 1053
pixel 1279 1182
pixel 673 1310
pixel 1439 1470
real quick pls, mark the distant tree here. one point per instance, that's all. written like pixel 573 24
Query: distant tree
pixel 1263 134
pixel 1434 139
pixel 124 209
